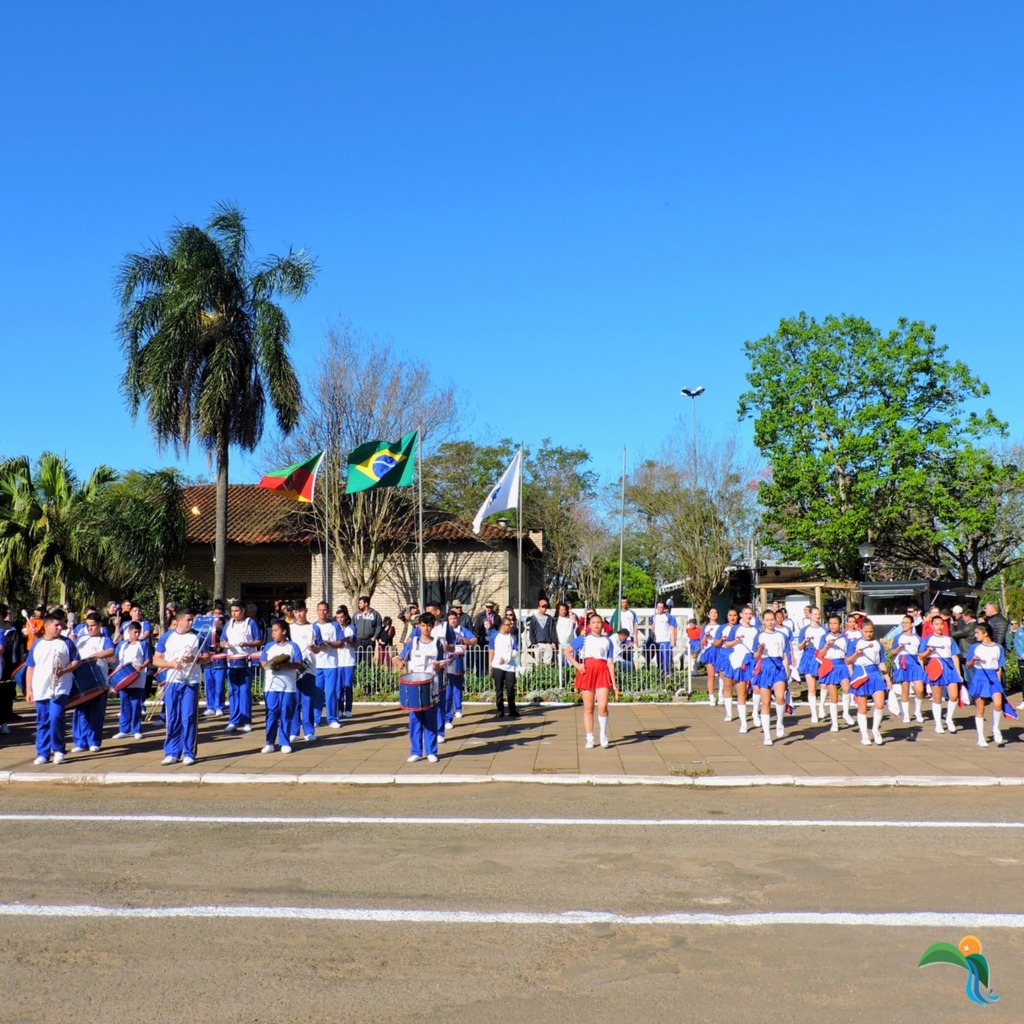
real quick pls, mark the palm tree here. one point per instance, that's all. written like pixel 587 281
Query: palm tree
pixel 205 344
pixel 45 540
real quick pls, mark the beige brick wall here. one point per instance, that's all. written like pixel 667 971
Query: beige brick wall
pixel 259 564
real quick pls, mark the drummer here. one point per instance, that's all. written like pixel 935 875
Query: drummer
pixel 423 653
pixel 179 651
pixel 87 718
pixel 48 684
pixel 135 652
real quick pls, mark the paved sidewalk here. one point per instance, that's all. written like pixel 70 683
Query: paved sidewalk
pixel 662 743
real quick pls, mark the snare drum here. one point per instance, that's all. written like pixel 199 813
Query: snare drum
pixel 87 682
pixel 416 691
pixel 122 678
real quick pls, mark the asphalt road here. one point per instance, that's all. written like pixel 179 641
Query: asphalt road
pixel 417 960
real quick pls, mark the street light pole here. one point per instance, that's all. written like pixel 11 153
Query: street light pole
pixel 693 394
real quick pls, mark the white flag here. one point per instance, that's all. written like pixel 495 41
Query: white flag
pixel 506 494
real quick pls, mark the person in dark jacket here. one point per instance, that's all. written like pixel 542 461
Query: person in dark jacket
pixel 997 623
pixel 961 631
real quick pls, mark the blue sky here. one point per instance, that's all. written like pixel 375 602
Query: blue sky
pixel 600 201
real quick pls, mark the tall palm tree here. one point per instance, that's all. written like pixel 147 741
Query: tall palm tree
pixel 206 345
pixel 45 539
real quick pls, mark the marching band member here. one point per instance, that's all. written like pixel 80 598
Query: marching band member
pixel 591 655
pixel 726 632
pixel 988 659
pixel 422 653
pixel 179 651
pixel 833 648
pixel 215 674
pixel 870 678
pixel 707 653
pixel 807 644
pixel 135 615
pixel 132 651
pixel 347 651
pixel 457 639
pixel 240 636
pixel 87 718
pixel 325 652
pixel 741 661
pixel 303 635
pixel 281 661
pixel 852 633
pixel 771 650
pixel 907 671
pixel 940 647
pixel 48 684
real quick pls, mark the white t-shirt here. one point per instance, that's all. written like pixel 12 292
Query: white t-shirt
pixel 88 645
pixel 175 646
pixel 663 624
pixel 504 647
pixel 281 680
pixel 347 654
pixel 328 657
pixel 46 657
pixel 302 637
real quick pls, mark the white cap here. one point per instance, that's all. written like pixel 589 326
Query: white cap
pixel 957 610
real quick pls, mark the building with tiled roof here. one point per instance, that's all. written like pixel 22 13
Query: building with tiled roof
pixel 274 551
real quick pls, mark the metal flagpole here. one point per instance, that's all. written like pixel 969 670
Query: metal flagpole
pixel 419 475
pixel 519 544
pixel 622 534
pixel 327 530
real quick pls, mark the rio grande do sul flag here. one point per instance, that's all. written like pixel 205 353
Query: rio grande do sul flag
pixel 382 464
pixel 297 481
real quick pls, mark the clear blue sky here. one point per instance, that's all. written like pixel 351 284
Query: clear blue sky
pixel 610 192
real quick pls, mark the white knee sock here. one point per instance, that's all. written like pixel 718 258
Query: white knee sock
pixel 937 713
pixel 905 708
pixel 813 701
pixel 833 710
pixel 846 705
pixel 876 722
pixel 918 707
pixel 742 708
pixel 756 710
pixel 766 725
pixel 728 707
pixel 602 726
pixel 997 734
pixel 950 711
pixel 979 724
pixel 862 724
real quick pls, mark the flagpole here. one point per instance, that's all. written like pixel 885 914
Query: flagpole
pixel 622 533
pixel 327 530
pixel 419 475
pixel 519 545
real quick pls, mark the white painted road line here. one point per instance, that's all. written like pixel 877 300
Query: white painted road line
pixel 188 819
pixel 925 919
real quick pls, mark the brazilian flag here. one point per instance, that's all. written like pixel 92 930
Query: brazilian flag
pixel 382 464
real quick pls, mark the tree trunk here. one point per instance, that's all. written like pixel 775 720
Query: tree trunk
pixel 162 597
pixel 220 550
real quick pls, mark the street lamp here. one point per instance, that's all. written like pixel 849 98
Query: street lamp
pixel 693 394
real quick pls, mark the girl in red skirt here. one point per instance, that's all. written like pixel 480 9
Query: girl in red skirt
pixel 593 659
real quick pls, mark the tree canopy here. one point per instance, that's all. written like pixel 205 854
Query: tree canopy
pixel 869 431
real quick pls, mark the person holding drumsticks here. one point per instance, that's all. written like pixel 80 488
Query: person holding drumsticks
pixel 423 653
pixel 591 655
pixel 48 684
pixel 180 651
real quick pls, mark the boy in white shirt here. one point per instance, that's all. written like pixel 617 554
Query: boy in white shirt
pixel 134 652
pixel 281 661
pixel 179 650
pixel 48 683
pixel 87 719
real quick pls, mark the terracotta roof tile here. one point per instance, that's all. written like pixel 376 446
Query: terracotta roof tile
pixel 255 516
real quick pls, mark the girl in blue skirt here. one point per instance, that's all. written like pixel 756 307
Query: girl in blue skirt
pixel 770 674
pixel 869 681
pixel 810 637
pixel 987 659
pixel 724 634
pixel 833 647
pixel 908 673
pixel 940 647
pixel 707 652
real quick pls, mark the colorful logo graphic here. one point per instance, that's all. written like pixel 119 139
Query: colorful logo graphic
pixel 966 954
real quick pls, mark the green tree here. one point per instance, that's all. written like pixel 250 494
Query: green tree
pixel 46 542
pixel 206 346
pixel 861 429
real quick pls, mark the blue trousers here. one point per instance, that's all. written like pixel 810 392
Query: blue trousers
pixel 665 656
pixel 51 726
pixel 423 731
pixel 327 681
pixel 280 711
pixel 87 722
pixel 214 678
pixel 346 681
pixel 306 706
pixel 181 705
pixel 452 696
pixel 132 700
pixel 239 695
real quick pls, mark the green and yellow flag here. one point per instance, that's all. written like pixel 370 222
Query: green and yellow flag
pixel 382 464
pixel 296 481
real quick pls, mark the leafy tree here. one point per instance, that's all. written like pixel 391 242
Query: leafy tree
pixel 863 431
pixel 45 539
pixel 206 345
pixel 636 584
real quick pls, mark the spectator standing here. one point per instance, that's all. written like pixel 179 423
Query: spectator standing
pixel 996 623
pixel 540 628
pixel 465 622
pixel 367 621
pixel 628 619
pixel 486 623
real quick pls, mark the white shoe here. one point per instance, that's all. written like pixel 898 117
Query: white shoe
pixel 458 714
pixel 448 726
pixel 849 721
pixel 412 758
pixel 230 728
pixel 286 749
pixel 334 725
pixel 310 739
pixel 768 741
pixel 169 760
pixel 58 758
pixel 919 718
pixel 906 721
pixel 743 727
pixel 711 699
pixel 119 736
pixel 589 745
pixel 432 758
pixel 950 727
pixel 209 713
pixel 604 742
pixel 268 749
pixel 94 749
pixel 780 730
pixel 834 727
pixel 77 750
pixel 877 737
pixel 728 718
pixel 440 737
pixel 938 727
pixel 1020 706
pixel 41 760
pixel 814 718
pixel 245 728
pixel 982 743
pixel 293 739
pixel 137 736
pixel 997 738
pixel 348 714
pixel 186 760
pixel 865 742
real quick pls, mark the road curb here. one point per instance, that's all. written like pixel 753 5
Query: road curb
pixel 701 782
